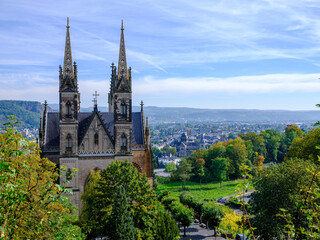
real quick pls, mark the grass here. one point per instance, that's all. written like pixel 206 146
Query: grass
pixel 207 191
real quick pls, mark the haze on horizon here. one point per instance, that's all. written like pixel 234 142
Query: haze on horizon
pixel 237 54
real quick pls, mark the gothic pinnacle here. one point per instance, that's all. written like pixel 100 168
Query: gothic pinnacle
pixel 122 65
pixel 67 64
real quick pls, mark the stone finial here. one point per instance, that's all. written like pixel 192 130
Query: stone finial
pixel 141 104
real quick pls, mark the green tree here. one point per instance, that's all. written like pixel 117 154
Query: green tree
pixel 305 147
pixel 200 168
pixel 213 215
pixel 185 217
pixel 237 154
pixel 121 224
pixel 166 227
pixel 31 202
pixel 183 171
pixel 170 167
pixel 279 187
pixel 219 169
pixel 98 199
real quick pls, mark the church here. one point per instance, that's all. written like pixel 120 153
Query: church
pixel 92 140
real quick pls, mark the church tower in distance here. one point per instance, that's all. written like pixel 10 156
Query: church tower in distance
pixel 69 100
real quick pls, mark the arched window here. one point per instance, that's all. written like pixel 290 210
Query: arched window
pixel 96 139
pixel 69 143
pixel 69 112
pixel 123 109
pixel 123 142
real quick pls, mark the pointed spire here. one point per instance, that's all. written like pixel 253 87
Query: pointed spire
pixel 67 64
pixel 122 65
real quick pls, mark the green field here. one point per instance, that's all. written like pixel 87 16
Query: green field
pixel 207 191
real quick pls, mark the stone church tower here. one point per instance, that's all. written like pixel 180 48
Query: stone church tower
pixel 85 140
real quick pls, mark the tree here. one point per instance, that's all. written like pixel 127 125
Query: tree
pixel 185 217
pixel 121 224
pixel 305 147
pixel 217 150
pixel 213 215
pixel 166 227
pixel 219 168
pixel 200 168
pixel 31 203
pixel 170 167
pixel 272 142
pixel 98 199
pixel 183 171
pixel 258 162
pixel 279 187
pixel 237 154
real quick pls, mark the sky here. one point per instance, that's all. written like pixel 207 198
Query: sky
pixel 216 54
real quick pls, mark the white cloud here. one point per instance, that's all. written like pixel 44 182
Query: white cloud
pixel 271 83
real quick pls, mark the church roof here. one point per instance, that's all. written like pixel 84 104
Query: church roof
pixel 52 127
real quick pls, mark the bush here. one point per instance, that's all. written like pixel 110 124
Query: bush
pixel 168 200
pixel 163 194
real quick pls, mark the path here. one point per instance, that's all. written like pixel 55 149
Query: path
pixel 195 232
pixel 161 172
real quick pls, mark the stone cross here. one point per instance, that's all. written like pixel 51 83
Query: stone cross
pixel 95 100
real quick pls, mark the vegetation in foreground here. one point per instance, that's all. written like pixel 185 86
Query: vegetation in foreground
pixel 32 205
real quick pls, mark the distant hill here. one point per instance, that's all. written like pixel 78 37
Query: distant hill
pixel 168 114
pixel 27 112
pixel 184 114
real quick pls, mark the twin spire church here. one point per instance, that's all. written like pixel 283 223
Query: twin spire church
pixel 91 140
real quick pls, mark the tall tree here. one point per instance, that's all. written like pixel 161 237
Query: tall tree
pixel 121 224
pixel 305 147
pixel 219 168
pixel 31 203
pixel 184 171
pixel 279 187
pixel 200 168
pixel 166 227
pixel 237 154
pixel 98 199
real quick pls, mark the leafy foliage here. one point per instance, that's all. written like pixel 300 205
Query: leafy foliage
pixel 279 187
pixel 31 203
pixel 166 227
pixel 98 199
pixel 121 224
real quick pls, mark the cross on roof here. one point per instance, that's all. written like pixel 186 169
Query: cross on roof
pixel 95 100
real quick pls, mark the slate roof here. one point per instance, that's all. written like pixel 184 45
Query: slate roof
pixel 52 127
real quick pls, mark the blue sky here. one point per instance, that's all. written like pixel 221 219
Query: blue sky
pixel 235 54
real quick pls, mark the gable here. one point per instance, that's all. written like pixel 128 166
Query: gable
pixel 96 138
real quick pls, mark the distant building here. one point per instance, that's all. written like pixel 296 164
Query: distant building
pixel 185 147
pixel 89 141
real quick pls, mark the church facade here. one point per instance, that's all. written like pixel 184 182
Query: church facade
pixel 92 140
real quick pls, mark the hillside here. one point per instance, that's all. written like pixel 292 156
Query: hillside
pixel 27 112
